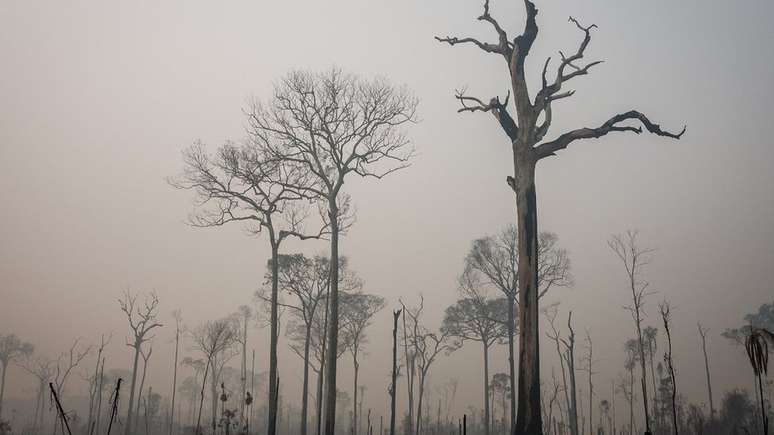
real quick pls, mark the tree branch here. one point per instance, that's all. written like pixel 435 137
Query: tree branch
pixel 550 148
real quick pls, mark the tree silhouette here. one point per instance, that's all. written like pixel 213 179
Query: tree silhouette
pixel 526 133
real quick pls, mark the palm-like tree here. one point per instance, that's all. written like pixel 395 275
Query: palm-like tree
pixel 757 346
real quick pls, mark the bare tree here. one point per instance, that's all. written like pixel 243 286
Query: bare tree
pixel 427 346
pixel 43 369
pixel 142 320
pixel 526 134
pixel 11 349
pixel 478 317
pixel 243 184
pixel 212 339
pixel 177 314
pixel 569 359
pixel 589 368
pixel 703 334
pixel 494 260
pixel 356 317
pixel 666 315
pixel 328 126
pixel 634 259
pixel 95 387
pixel 551 312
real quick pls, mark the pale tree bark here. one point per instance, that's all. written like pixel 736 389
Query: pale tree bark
pixel 325 127
pixel 145 357
pixel 555 335
pixel 142 320
pixel 95 385
pixel 703 334
pixel 178 318
pixel 526 134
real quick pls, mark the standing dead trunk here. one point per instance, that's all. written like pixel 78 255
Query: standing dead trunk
pixel 174 374
pixel 569 357
pixel 305 387
pixel 130 413
pixel 99 396
pixel 201 399
pixel 321 372
pixel 393 390
pixel 526 133
pixel 703 335
pixel 356 368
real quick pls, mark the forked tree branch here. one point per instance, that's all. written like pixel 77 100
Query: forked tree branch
pixel 498 109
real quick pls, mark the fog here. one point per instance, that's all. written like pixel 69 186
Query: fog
pixel 97 100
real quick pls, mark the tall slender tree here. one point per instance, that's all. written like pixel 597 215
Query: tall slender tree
pixel 703 334
pixel 477 317
pixel 666 317
pixel 329 126
pixel 393 386
pixel 357 316
pixel 177 314
pixel 142 321
pixel 634 258
pixel 244 184
pixel 526 134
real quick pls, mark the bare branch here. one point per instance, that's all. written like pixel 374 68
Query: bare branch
pixel 613 124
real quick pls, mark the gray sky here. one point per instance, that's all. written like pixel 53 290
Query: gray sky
pixel 98 98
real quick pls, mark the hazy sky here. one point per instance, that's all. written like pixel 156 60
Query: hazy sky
pixel 97 99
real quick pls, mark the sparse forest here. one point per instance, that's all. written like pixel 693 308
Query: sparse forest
pixel 324 340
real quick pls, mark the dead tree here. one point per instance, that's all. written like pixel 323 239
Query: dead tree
pixel 357 316
pixel 666 313
pixel 327 126
pixel 95 384
pixel 494 260
pixel 551 312
pixel 569 359
pixel 178 319
pixel 634 259
pixel 43 371
pixel 478 317
pixel 11 349
pixel 426 346
pixel 590 370
pixel 649 335
pixel 142 320
pixel 393 386
pixel 243 184
pixel 212 339
pixel 703 334
pixel 526 133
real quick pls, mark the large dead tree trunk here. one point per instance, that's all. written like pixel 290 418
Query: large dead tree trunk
pixel 333 323
pixel 526 133
pixel 272 423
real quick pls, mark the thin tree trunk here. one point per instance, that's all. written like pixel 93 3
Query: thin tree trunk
pixel 272 423
pixel 129 415
pixel 305 388
pixel 511 359
pixel 99 395
pixel 321 373
pixel 174 380
pixel 703 335
pixel 393 391
pixel 528 418
pixel 409 378
pixel 418 426
pixel 201 402
pixel 356 368
pixel 139 392
pixel 486 388
pixel 333 329
pixel 2 387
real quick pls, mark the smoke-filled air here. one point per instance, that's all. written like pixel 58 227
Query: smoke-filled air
pixel 365 217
